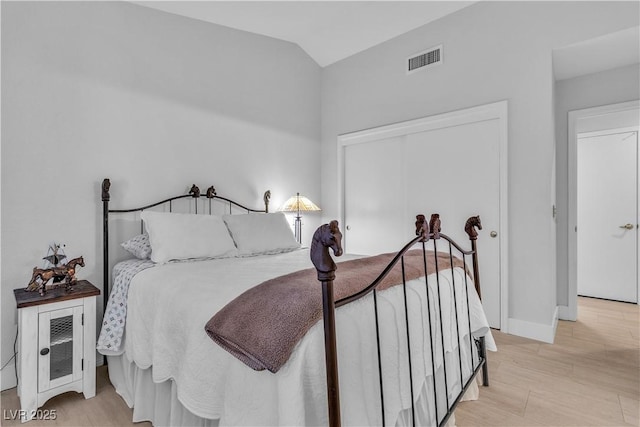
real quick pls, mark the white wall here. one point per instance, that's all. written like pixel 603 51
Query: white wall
pixel 83 83
pixel 155 102
pixel 593 90
pixel 492 51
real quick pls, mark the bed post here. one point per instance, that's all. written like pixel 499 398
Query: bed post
pixel 328 236
pixel 470 228
pixel 106 184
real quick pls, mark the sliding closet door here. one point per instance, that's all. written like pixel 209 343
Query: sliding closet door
pixel 453 171
pixel 375 220
pixel 458 172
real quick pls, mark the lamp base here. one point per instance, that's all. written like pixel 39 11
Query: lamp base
pixel 298 229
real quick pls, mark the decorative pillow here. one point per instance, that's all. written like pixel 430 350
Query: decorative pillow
pixel 175 236
pixel 257 234
pixel 138 246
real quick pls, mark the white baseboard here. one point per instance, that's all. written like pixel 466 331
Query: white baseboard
pixel 536 331
pixel 566 313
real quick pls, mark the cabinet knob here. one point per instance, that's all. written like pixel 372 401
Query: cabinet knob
pixel 44 351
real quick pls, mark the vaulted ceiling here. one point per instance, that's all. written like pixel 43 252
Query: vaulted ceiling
pixel 327 30
pixel 333 30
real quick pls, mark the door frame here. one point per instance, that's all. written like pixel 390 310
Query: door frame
pixel 493 111
pixel 570 312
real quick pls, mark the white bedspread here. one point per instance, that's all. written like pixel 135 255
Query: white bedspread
pixel 169 305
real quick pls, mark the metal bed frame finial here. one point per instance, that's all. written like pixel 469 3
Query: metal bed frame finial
pixel 106 185
pixel 422 228
pixel 195 191
pixel 435 226
pixel 211 192
pixel 470 228
pixel 266 198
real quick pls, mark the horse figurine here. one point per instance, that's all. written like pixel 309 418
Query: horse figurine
pixel 71 270
pixel 64 274
pixel 326 236
pixel 470 227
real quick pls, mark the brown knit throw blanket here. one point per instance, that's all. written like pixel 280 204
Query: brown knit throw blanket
pixel 262 326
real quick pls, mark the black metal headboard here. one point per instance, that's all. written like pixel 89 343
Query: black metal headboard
pixel 194 193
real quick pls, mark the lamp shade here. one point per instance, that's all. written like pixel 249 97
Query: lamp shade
pixel 299 203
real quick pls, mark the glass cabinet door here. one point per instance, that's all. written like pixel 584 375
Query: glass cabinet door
pixel 60 347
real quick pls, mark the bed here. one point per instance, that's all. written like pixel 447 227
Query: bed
pixel 189 341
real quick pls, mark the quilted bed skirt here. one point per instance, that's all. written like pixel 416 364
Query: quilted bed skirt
pixel 159 403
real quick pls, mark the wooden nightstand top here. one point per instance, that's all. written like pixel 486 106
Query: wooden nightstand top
pixel 82 289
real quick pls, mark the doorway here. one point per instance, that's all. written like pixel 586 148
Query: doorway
pixel 607 197
pixel 595 119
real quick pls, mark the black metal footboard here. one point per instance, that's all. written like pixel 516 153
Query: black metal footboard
pixel 455 367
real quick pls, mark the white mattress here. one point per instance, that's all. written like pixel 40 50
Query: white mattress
pixel 169 305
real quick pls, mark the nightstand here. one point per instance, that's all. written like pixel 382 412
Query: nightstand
pixel 56 344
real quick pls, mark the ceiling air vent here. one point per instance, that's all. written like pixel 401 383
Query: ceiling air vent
pixel 425 59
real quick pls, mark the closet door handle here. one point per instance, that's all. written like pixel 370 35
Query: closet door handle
pixel 627 226
pixel 44 351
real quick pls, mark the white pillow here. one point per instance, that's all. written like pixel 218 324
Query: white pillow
pixel 258 234
pixel 175 236
pixel 138 246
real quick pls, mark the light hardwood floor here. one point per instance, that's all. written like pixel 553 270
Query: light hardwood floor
pixel 105 409
pixel 590 376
